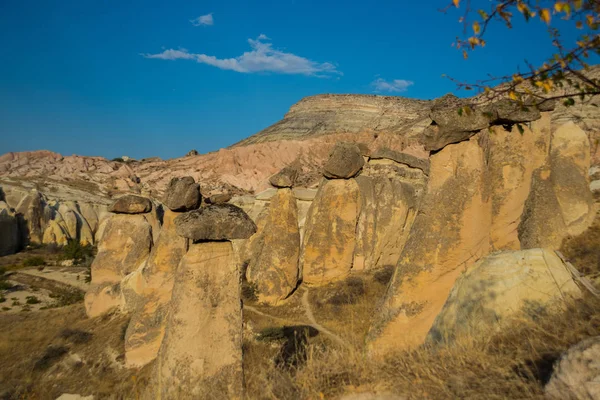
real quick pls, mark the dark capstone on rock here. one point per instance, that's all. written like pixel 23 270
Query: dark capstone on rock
pixel 512 112
pixel 344 161
pixel 286 178
pixel 403 158
pixel 215 222
pixel 131 204
pixel 183 194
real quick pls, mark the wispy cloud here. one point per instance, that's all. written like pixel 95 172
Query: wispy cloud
pixel 261 58
pixel 394 86
pixel 203 20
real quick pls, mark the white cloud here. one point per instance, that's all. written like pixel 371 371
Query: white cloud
pixel 206 20
pixel 262 36
pixel 396 85
pixel 262 58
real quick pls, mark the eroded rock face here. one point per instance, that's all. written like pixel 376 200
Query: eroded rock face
pixel 450 233
pixel 201 354
pixel 215 222
pixel 328 247
pixel 512 159
pixel 131 204
pixel 273 266
pixel 500 286
pixel 576 375
pixel 344 161
pixel 125 246
pixel 183 194
pixel 32 209
pixel 560 202
pixel 55 234
pixel 10 237
pixel 148 322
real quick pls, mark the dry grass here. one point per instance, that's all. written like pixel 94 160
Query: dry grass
pixel 584 250
pixel 513 362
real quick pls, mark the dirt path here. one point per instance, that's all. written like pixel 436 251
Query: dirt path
pixel 309 315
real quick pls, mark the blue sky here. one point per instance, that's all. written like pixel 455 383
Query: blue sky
pixel 157 78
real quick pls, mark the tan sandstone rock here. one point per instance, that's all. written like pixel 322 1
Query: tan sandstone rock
pixel 328 247
pixel 10 237
pixel 148 322
pixel 201 354
pixel 273 265
pixel 55 234
pixel 124 247
pixel 576 375
pixel 450 233
pixel 512 159
pixel 560 202
pixel 504 285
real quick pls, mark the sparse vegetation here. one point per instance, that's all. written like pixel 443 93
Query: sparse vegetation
pixel 584 250
pixel 50 356
pixel 66 297
pixel 32 300
pixel 76 251
pixel 76 336
pixel 514 362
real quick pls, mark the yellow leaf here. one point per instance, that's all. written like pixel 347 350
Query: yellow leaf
pixel 590 20
pixel 465 55
pixel 545 15
pixel 512 95
pixel 579 25
pixel 476 27
pixel 456 3
pixel 558 6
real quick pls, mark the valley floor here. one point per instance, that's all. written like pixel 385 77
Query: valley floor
pixel 310 347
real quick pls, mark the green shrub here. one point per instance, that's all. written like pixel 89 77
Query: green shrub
pixel 6 308
pixel 5 285
pixel 2 299
pixel 32 300
pixel 34 261
pixel 118 159
pixel 76 251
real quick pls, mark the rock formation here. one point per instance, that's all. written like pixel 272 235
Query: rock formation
pixel 153 288
pixel 9 230
pixel 124 248
pixel 183 194
pixel 328 247
pixel 576 373
pixel 201 353
pixel 504 285
pixel 274 250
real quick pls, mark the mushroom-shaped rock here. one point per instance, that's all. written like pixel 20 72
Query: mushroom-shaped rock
pixel 403 158
pixel 345 160
pixel 183 194
pixel 285 178
pixel 131 204
pixel 215 222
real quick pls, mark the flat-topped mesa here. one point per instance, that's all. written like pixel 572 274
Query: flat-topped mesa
pixel 343 113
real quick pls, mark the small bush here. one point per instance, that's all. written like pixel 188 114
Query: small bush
pixel 26 308
pixel 52 355
pixel 5 285
pixel 67 297
pixel 118 159
pixel 32 300
pixel 76 336
pixel 16 303
pixel 384 275
pixel 2 299
pixel 34 261
pixel 249 291
pixel 76 251
pixel 6 308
